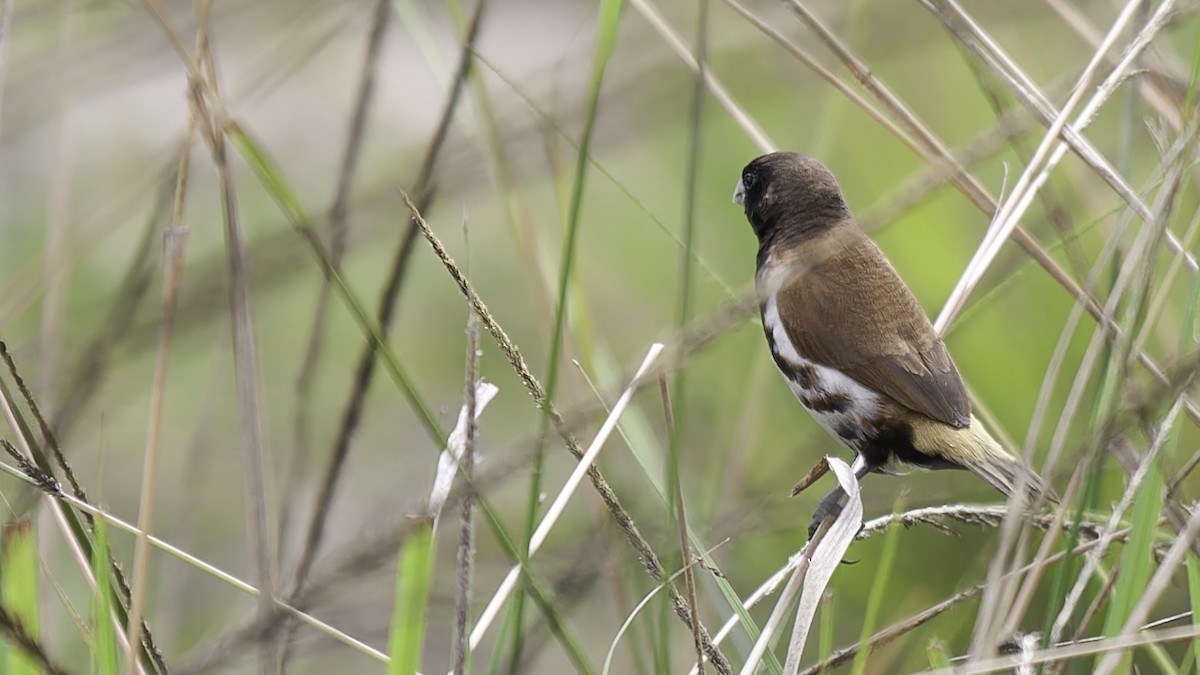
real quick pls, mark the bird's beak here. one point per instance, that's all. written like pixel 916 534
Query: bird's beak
pixel 739 194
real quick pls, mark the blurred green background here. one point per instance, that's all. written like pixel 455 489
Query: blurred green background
pixel 94 112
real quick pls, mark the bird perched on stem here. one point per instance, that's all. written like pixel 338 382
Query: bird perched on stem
pixel 851 340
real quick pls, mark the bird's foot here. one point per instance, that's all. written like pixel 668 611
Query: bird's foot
pixel 829 506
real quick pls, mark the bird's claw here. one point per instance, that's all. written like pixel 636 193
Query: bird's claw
pixel 830 506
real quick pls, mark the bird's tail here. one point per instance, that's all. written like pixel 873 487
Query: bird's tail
pixel 973 448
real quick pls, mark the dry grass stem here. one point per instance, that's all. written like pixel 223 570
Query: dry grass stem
pixel 60 519
pixel 466 537
pixel 22 640
pixel 921 185
pixel 1066 129
pixel 44 479
pixel 56 273
pixel 174 258
pixel 685 548
pixel 896 630
pixel 1109 647
pixel 199 563
pixel 1092 561
pixel 802 55
pixel 959 23
pixel 825 558
pixel 1162 578
pixel 387 306
pixel 338 235
pixel 586 464
pixel 997 601
pixel 1151 89
pixel 1052 150
pixel 931 148
pixel 255 448
pixel 99 355
pixel 711 83
pixel 646 555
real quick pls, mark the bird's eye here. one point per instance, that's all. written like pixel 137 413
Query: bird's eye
pixel 748 179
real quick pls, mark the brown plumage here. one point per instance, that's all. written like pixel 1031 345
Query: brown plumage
pixel 849 310
pixel 853 343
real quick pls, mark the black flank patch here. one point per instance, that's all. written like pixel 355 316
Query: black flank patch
pixel 828 402
pixel 894 437
pixel 789 371
pixel 785 367
pixel 848 431
pixel 770 337
pixel 805 376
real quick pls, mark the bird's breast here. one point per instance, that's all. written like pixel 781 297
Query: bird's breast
pixel 845 408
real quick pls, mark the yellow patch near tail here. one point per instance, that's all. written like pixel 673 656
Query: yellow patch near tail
pixel 974 449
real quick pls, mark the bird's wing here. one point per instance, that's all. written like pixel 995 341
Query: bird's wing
pixel 849 310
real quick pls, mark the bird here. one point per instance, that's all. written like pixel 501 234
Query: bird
pixel 850 338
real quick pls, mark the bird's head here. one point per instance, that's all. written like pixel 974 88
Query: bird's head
pixel 789 191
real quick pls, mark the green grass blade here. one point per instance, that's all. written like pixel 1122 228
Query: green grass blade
pixel 268 172
pixel 78 531
pixel 678 397
pixel 105 647
pixel 553 123
pixel 414 574
pixel 938 658
pixel 1193 575
pixel 1137 561
pixel 635 431
pixel 825 637
pixel 606 37
pixel 273 180
pixel 882 577
pixel 1187 333
pixel 502 637
pixel 1190 101
pixel 19 585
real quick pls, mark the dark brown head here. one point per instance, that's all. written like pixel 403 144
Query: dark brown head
pixel 789 195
